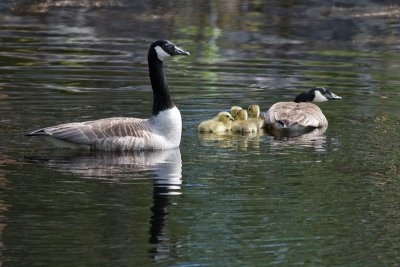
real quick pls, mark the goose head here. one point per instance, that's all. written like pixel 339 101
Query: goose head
pixel 317 94
pixel 234 110
pixel 164 49
pixel 241 115
pixel 254 111
pixel 224 117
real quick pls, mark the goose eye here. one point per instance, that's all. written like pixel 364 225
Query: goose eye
pixel 168 47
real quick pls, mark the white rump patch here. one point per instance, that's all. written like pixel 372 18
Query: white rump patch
pixel 161 54
pixel 319 97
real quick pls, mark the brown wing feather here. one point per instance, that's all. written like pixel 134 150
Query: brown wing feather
pixel 290 113
pixel 86 133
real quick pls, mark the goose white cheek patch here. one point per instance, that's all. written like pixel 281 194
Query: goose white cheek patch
pixel 161 54
pixel 319 97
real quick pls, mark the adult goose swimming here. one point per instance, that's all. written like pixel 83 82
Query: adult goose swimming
pixel 161 131
pixel 299 115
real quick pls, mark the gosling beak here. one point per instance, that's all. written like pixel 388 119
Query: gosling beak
pixel 180 52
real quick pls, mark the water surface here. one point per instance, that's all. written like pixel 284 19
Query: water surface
pixel 327 198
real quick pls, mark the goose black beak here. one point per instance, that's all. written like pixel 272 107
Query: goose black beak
pixel 180 52
pixel 335 97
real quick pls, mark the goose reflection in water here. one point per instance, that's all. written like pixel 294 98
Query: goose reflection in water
pixel 121 168
pixel 314 138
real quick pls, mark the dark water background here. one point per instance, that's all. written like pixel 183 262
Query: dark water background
pixel 318 200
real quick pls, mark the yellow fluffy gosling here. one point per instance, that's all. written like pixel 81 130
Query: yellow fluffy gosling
pixel 254 116
pixel 219 124
pixel 240 117
pixel 235 110
pixel 242 124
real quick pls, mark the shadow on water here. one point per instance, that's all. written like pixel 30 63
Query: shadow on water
pixel 165 166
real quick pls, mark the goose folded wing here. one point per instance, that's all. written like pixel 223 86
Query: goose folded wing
pixel 290 114
pixel 312 116
pixel 299 118
pixel 280 113
pixel 86 133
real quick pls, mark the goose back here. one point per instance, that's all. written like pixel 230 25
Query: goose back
pixel 291 114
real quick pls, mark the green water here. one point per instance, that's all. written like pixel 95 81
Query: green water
pixel 323 199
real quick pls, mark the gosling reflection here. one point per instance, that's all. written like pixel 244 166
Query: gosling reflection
pixel 233 140
pixel 314 138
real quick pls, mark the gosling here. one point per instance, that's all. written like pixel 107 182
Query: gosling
pixel 235 110
pixel 242 124
pixel 254 116
pixel 221 123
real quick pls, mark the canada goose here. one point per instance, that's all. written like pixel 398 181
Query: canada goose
pixel 234 110
pixel 161 131
pixel 298 115
pixel 221 123
pixel 242 123
pixel 254 116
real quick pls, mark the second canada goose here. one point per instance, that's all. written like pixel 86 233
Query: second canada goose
pixel 299 115
pixel 161 131
pixel 219 124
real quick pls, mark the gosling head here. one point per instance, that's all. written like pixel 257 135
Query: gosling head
pixel 234 110
pixel 241 115
pixel 254 111
pixel 224 117
pixel 317 94
pixel 164 49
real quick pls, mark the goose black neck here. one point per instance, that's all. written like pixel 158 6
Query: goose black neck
pixel 304 97
pixel 161 99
